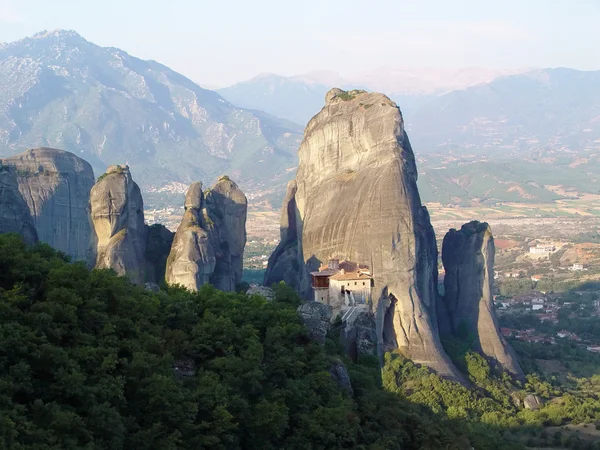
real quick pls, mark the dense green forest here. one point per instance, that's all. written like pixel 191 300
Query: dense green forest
pixel 88 360
pixel 494 401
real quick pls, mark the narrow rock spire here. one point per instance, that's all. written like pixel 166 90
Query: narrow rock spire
pixel 209 244
pixel 467 310
pixel 117 211
pixel 355 197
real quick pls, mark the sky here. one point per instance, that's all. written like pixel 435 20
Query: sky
pixel 219 42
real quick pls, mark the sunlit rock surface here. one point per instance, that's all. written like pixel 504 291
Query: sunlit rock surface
pixel 56 186
pixel 118 216
pixel 355 198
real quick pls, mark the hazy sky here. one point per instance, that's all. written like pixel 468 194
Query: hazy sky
pixel 219 42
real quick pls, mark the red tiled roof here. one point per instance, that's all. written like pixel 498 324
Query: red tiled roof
pixel 351 276
pixel 348 270
pixel 324 273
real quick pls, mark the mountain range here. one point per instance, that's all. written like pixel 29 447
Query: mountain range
pixel 300 97
pixel 479 134
pixel 540 111
pixel 524 137
pixel 59 90
pixel 536 110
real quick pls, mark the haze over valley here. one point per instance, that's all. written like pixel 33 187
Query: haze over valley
pixel 483 136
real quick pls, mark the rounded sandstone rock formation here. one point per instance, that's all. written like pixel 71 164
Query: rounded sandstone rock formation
pixel 467 309
pixel 194 196
pixel 117 211
pixel 56 186
pixel 209 244
pixel 14 212
pixel 192 258
pixel 227 207
pixel 331 94
pixel 356 198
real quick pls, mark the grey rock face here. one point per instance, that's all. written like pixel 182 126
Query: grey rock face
pixel 117 212
pixel 56 187
pixel 227 208
pixel 151 287
pixel 158 246
pixel 192 258
pixel 468 257
pixel 194 196
pixel 366 334
pixel 340 374
pixel 263 291
pixel 532 402
pixel 285 263
pixel 359 336
pixel 184 368
pixel 209 244
pixel 14 212
pixel 357 199
pixel 317 317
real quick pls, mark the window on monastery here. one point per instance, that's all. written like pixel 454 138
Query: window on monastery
pixel 355 283
pixel 364 283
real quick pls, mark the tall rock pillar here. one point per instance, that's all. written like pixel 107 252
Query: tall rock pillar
pixel 467 310
pixel 117 211
pixel 356 198
pixel 227 208
pixel 192 258
pixel 14 213
pixel 209 243
pixel 56 186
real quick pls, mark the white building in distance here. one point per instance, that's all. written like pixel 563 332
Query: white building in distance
pixel 542 249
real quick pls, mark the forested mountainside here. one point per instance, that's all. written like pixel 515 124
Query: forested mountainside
pixel 90 360
pixel 495 179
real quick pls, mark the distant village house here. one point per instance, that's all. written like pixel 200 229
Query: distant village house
pixel 542 249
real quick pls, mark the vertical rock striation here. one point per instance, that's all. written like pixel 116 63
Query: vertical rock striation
pixel 227 208
pixel 285 263
pixel 117 211
pixel 356 198
pixel 468 310
pixel 158 246
pixel 56 185
pixel 192 258
pixel 14 212
pixel 209 243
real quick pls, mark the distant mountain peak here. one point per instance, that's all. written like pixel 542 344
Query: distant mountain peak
pixel 54 41
pixel 57 33
pixel 267 75
pixel 326 77
pixel 58 89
